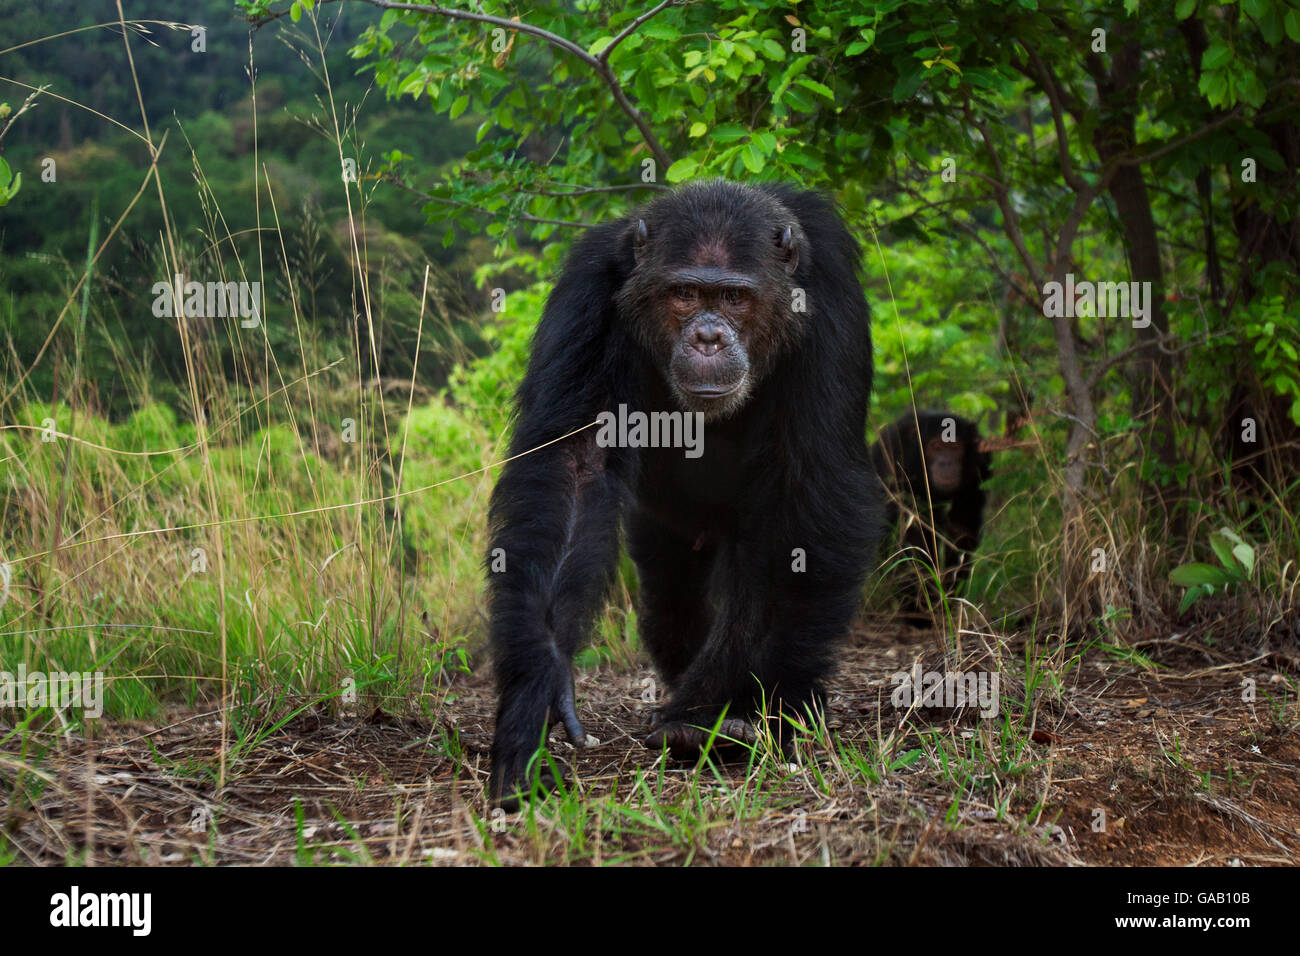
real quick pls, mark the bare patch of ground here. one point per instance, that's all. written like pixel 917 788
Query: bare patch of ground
pixel 1120 764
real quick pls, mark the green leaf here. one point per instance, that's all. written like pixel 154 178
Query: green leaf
pixel 459 106
pixel 1292 23
pixel 295 11
pixel 1270 26
pixel 10 192
pixel 1198 574
pixel 1252 90
pixel 821 89
pixel 660 30
pixel 1222 549
pixel 1246 555
pixel 1216 56
pixel 753 158
pixel 698 130
pixel 682 170
pixel 905 760
pixel 1214 87
pixel 1190 597
pixel 799 100
pixel 945 62
pixel 729 133
pixel 908 84
pixel 1184 9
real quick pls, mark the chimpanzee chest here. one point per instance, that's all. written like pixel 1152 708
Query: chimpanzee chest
pixel 714 476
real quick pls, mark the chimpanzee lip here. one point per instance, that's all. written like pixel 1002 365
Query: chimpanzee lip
pixel 711 391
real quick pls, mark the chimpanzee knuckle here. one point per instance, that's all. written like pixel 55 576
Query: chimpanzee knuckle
pixel 515 775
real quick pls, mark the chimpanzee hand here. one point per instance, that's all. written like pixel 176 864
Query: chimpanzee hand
pixel 520 721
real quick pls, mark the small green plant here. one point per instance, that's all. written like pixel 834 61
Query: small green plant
pixel 1203 580
pixel 10 183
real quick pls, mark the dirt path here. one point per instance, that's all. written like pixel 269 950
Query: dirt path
pixel 1175 764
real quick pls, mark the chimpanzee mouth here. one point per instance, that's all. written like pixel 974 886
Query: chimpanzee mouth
pixel 715 391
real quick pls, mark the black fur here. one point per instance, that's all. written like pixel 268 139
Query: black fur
pixel 724 617
pixel 957 516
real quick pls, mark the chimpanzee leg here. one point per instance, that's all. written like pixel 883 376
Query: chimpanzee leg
pixel 920 596
pixel 673 614
pixel 964 526
pixel 786 594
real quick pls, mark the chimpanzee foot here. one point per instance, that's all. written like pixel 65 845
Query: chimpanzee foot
pixel 685 740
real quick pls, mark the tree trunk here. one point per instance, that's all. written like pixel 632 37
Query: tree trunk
pixel 1115 139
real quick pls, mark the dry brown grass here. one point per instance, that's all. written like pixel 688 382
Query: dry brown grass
pixel 1184 770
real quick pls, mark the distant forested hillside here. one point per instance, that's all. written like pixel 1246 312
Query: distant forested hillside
pixel 203 103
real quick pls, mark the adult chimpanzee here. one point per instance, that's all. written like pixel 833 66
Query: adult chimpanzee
pixel 932 461
pixel 738 307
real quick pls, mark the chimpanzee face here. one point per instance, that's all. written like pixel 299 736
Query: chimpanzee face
pixel 943 462
pixel 711 297
pixel 712 311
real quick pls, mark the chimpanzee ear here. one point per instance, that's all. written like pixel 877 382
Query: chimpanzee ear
pixel 640 239
pixel 787 249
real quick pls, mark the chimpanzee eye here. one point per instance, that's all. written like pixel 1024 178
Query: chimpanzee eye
pixel 733 296
pixel 684 292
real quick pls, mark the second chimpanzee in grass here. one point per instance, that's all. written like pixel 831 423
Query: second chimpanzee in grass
pixel 934 470
pixel 741 305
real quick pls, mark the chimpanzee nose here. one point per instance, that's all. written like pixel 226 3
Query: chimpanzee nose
pixel 711 337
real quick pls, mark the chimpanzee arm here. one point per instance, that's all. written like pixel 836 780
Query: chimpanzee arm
pixel 964 525
pixel 555 511
pixel 966 517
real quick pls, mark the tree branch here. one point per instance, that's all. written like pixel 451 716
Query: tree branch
pixel 1052 88
pixel 631 28
pixel 598 64
pixel 1010 220
pixel 441 200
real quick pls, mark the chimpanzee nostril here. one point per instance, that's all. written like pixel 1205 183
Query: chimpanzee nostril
pixel 708 338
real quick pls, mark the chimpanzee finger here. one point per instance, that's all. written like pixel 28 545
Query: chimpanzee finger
pixel 569 715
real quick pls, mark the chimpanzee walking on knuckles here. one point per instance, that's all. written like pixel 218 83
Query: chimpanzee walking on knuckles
pixel 741 304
